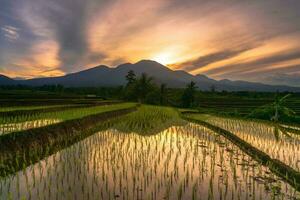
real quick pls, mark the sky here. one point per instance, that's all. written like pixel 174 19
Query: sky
pixel 253 40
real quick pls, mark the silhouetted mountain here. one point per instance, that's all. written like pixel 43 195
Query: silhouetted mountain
pixel 105 76
pixel 93 77
pixel 4 80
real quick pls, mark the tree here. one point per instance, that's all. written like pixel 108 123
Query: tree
pixel 213 88
pixel 143 86
pixel 188 96
pixel 153 97
pixel 130 77
pixel 162 95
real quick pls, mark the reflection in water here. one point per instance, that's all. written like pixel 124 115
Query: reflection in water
pixel 14 127
pixel 277 144
pixel 188 162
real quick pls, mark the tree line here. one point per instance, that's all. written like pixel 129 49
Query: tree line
pixel 143 89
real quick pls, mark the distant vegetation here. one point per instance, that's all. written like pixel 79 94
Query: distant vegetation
pixel 144 89
pixel 276 111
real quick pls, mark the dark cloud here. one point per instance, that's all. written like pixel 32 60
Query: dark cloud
pixel 255 66
pixel 211 58
pixel 275 69
pixel 68 21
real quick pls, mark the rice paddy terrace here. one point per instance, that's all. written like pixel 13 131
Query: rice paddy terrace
pixel 130 151
pixel 243 106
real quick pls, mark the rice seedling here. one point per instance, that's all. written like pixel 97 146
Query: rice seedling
pixel 16 108
pixel 111 164
pixel 14 127
pixel 24 122
pixel 272 140
pixel 149 120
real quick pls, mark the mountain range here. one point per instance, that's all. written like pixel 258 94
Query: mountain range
pixel 105 76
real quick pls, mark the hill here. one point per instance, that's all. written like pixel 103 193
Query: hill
pixel 105 76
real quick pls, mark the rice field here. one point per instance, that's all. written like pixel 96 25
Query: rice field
pixel 271 139
pixel 17 108
pixel 24 122
pixel 14 127
pixel 151 153
pixel 181 162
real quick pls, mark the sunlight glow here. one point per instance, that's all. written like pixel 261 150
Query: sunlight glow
pixel 164 58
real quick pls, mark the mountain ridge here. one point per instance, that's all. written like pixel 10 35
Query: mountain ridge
pixel 103 75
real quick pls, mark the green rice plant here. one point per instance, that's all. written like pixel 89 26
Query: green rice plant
pixel 24 122
pixel 149 120
pixel 17 108
pixel 65 114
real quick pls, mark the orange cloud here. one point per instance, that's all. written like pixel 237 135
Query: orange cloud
pixel 42 61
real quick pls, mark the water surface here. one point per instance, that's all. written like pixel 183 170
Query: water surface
pixel 277 143
pixel 188 162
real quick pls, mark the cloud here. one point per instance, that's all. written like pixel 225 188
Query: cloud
pixel 66 23
pixel 10 32
pixel 225 38
pixel 268 64
pixel 210 58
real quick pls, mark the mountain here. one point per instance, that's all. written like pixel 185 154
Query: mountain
pixel 4 80
pixel 105 76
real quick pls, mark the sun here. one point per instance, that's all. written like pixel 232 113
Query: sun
pixel 164 58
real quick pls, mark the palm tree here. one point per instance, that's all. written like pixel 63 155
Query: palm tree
pixel 162 93
pixel 192 86
pixel 143 86
pixel 130 77
pixel 188 96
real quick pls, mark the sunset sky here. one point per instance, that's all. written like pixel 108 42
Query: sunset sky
pixel 254 40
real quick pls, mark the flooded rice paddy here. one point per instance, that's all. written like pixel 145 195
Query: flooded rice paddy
pixel 15 127
pixel 181 162
pixel 277 143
